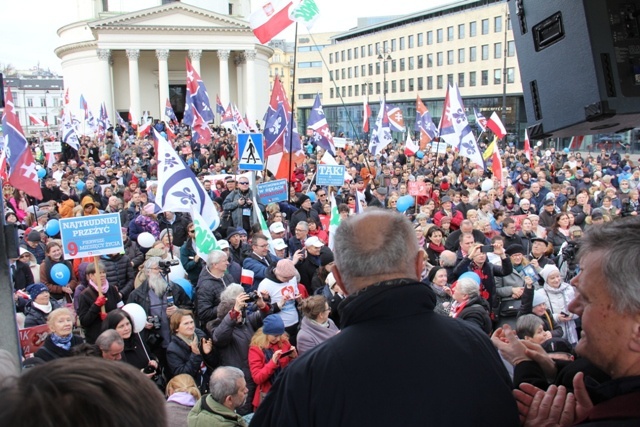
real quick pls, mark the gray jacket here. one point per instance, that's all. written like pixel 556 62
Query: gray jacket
pixel 231 204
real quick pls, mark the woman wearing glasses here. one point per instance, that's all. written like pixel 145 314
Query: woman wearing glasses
pixel 316 326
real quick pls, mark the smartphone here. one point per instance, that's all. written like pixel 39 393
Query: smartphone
pixel 486 248
pixel 564 314
pixel 286 353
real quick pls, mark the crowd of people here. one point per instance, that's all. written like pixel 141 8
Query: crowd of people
pixel 466 260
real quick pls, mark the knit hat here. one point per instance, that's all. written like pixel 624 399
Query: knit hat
pixel 149 208
pixel 547 270
pixel 514 249
pixel 285 268
pixel 303 198
pixel 34 236
pixel 273 325
pixel 154 252
pixel 36 289
pixel 234 231
pixel 326 257
pixel 432 273
pixel 539 297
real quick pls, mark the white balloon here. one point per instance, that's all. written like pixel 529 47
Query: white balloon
pixel 138 316
pixel 146 239
pixel 177 272
pixel 539 143
pixel 487 185
pixel 547 153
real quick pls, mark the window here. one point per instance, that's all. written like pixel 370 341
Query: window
pixel 439 35
pixel 411 85
pixel 429 37
pixel 307 96
pixel 349 54
pixel 311 64
pixel 343 74
pixel 311 79
pixel 362 51
pixel 394 45
pixel 420 39
pixel 386 87
pixel 356 88
pixel 377 88
pixel 377 68
pixel 343 91
pixel 472 78
pixel 485 26
pixel 350 90
pixel 439 59
pixel 511 75
pixel 331 58
pixel 385 46
pixel 393 65
pixel 460 79
pixel 450 57
pixel 29 102
pixel 497 76
pixel 355 72
pixel 43 102
pixel 429 83
pixel 330 92
pixel 497 24
pixel 337 74
pixel 473 51
pixel 402 64
pixel 355 53
pixel 411 63
pixel 420 83
pixel 460 56
pixel 497 50
pixel 485 52
pixel 363 70
pixel 450 79
pixel 461 31
pixel 485 77
pixel 370 88
pixel 337 92
pixel 371 70
pixel 349 72
pixel 439 84
pixel 369 50
pixel 342 56
pixel 473 28
pixel 450 33
pixel 511 49
pixel 429 60
pixel 402 43
pixel 420 62
pixel 410 41
pixel 402 85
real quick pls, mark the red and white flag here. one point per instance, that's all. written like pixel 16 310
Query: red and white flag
pixel 495 124
pixel 528 153
pixel 365 115
pixel 3 166
pixel 410 147
pixel 246 278
pixel 270 20
pixel 576 142
pixel 36 121
pixel 496 163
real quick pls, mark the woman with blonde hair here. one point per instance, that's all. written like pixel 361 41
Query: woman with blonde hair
pixel 182 393
pixel 59 342
pixel 316 327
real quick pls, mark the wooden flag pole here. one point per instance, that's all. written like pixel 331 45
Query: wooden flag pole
pixel 96 263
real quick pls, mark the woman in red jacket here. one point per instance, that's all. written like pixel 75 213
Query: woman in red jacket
pixel 269 353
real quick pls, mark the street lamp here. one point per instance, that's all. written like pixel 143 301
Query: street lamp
pixel 384 56
pixel 46 109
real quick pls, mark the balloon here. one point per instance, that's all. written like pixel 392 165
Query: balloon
pixel 487 185
pixel 138 316
pixel 42 173
pixel 52 228
pixel 470 275
pixel 419 154
pixel 566 149
pixel 404 203
pixel 60 274
pixel 538 144
pixel 80 185
pixel 312 196
pixel 186 286
pixel 547 153
pixel 177 272
pixel 146 239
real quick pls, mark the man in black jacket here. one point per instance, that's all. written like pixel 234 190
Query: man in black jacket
pixel 391 339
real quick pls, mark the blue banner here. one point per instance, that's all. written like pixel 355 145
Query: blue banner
pixel 87 236
pixel 273 191
pixel 330 175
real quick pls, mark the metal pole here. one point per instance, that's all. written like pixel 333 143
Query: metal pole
pixel 293 100
pixel 46 110
pixel 504 71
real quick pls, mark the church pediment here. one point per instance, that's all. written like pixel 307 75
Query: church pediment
pixel 172 15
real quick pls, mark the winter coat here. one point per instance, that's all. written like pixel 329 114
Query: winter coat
pixel 90 200
pixel 89 313
pixel 208 295
pixel 526 307
pixel 263 371
pixel 120 273
pixel 217 415
pixel 54 289
pixel 181 360
pixel 178 227
pixel 303 215
pixel 373 322
pixel 308 268
pixel 476 311
pixel 141 225
pixel 134 253
pixel 456 218
pixel 49 351
pixel 557 239
pixel 312 333
pixel 487 279
pixel 558 300
pixel 192 267
pixel 23 275
pixel 36 317
pixel 231 205
pixel 259 267
pixel 66 208
pixel 442 298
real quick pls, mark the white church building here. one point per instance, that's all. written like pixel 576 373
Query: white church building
pixel 131 55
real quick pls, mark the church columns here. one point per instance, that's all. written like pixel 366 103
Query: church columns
pixel 250 89
pixel 239 62
pixel 134 84
pixel 163 79
pixel 223 56
pixel 194 57
pixel 104 55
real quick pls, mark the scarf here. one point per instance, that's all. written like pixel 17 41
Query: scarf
pixel 62 342
pixel 105 286
pixel 436 248
pixel 43 308
pixel 187 339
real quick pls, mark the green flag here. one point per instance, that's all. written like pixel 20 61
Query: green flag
pixel 334 222
pixel 205 240
pixel 263 223
pixel 306 12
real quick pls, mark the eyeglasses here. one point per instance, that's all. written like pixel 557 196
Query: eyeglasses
pixel 300 229
pixel 322 195
pixel 243 183
pixel 24 256
pixel 192 231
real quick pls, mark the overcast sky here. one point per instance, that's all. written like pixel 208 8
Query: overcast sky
pixel 28 30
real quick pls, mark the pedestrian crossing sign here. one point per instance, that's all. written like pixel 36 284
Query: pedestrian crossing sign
pixel 250 151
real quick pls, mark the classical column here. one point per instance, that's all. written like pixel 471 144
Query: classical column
pixel 250 86
pixel 104 55
pixel 194 57
pixel 239 61
pixel 134 84
pixel 223 56
pixel 163 79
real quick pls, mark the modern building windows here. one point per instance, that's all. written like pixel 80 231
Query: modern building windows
pixel 497 50
pixel 485 26
pixel 485 52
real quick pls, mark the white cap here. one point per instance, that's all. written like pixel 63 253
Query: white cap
pixel 314 241
pixel 279 244
pixel 223 244
pixel 276 227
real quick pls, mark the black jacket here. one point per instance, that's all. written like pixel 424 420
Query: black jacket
pixel 308 268
pixel 178 227
pixel 208 295
pixel 36 317
pixel 477 313
pixel 181 360
pixel 23 276
pixel 302 215
pixel 120 273
pixel 50 351
pixel 134 253
pixel 392 324
pixel 89 313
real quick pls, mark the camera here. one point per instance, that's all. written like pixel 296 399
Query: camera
pixel 486 248
pixel 149 369
pixel 253 296
pixel 155 321
pixel 168 264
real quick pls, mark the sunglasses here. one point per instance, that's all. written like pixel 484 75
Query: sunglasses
pixel 243 183
pixel 192 231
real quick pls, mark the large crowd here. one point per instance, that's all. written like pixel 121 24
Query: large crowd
pixel 215 333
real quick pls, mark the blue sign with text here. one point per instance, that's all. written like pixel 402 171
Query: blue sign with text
pixel 330 175
pixel 94 235
pixel 273 191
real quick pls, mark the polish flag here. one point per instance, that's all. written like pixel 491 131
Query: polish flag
pixel 36 121
pixel 365 115
pixel 3 166
pixel 528 153
pixel 410 147
pixel 495 124
pixel 270 20
pixel 246 278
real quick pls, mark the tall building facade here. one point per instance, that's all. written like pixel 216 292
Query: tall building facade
pixel 39 96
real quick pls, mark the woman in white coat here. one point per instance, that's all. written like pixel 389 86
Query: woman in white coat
pixel 559 294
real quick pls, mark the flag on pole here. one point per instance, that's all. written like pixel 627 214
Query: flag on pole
pixel 306 12
pixel 205 240
pixel 396 118
pixel 36 121
pixel 241 126
pixel 3 166
pixel 270 20
pixel 66 98
pixel 68 130
pixel 246 278
pixel 23 174
pixel 84 106
pixel 366 113
pixel 121 121
pixel 197 94
pixel 410 147
pixel 318 124
pixel 228 120
pixel 528 153
pixel 496 162
pixel 263 223
pixel 381 135
pixel 169 113
pixel 455 129
pixel 480 119
pixel 334 221
pixel 495 124
pixel 219 106
pixel 489 151
pixel 178 188
pixel 359 200
pixel 576 142
pixel 424 123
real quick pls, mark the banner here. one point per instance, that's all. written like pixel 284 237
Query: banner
pixel 94 235
pixel 330 175
pixel 273 191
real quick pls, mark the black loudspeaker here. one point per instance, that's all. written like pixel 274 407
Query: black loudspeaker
pixel 579 64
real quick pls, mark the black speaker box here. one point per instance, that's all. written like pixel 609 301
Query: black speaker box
pixel 579 64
